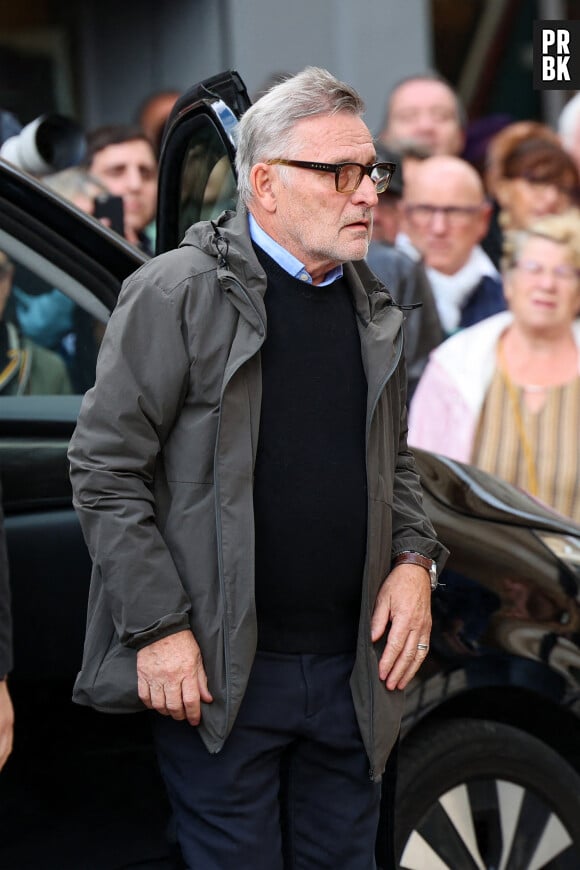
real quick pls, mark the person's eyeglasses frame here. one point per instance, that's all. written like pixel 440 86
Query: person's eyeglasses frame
pixel 564 272
pixel 455 215
pixel 336 168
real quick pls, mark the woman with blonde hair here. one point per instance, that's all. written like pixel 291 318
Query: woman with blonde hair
pixel 504 394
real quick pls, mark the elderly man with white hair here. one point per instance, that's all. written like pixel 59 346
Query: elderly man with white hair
pixel 263 565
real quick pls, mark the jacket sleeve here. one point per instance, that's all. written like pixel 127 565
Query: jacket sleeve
pixel 141 382
pixel 412 528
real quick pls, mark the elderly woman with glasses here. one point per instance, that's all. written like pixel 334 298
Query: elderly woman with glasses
pixel 504 394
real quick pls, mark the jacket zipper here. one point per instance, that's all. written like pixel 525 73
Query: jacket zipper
pixel 227 663
pixel 382 385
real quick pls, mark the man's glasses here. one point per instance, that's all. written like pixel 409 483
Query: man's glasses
pixel 347 176
pixel 565 272
pixel 457 216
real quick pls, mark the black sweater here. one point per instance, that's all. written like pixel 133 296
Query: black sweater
pixel 310 494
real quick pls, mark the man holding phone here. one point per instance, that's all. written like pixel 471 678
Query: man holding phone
pixel 108 209
pixel 123 159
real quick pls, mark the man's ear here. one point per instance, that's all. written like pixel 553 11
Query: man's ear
pixel 485 218
pixel 263 179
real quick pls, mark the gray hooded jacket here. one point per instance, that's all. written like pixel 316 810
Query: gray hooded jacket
pixel 162 466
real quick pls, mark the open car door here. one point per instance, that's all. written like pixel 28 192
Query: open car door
pixel 197 178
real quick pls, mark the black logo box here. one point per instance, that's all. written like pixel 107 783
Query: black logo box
pixel 551 40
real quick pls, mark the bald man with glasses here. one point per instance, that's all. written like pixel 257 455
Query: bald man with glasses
pixel 445 215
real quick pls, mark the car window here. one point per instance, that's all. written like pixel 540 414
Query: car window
pixel 197 179
pixel 208 185
pixel 51 325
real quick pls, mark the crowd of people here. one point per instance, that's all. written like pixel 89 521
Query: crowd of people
pixel 440 227
pixel 444 235
pixel 499 244
pixel 483 263
pixel 116 182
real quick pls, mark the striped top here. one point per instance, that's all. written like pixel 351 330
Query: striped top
pixel 553 434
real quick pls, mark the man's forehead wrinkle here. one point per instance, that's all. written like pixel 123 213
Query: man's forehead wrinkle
pixel 332 137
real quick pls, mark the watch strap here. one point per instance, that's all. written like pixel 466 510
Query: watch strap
pixel 411 558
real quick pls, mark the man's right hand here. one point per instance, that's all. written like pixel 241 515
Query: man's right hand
pixel 171 677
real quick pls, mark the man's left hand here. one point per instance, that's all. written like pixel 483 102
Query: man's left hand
pixel 404 601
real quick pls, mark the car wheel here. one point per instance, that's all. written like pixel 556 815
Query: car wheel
pixel 480 795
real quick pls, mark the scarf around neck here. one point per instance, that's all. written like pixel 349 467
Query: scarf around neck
pixel 451 292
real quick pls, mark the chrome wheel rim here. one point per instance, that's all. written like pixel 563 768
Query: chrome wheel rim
pixel 490 824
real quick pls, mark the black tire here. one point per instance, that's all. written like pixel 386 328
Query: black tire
pixel 475 794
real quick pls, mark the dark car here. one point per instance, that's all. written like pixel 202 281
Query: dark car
pixel 489 760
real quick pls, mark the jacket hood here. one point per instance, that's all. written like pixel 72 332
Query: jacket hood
pixel 239 273
pixel 226 240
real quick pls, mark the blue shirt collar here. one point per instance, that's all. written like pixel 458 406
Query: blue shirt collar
pixel 285 259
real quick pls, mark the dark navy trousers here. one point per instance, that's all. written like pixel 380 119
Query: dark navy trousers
pixel 291 788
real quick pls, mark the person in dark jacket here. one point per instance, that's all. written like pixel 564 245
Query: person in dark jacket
pixel 403 276
pixel 406 280
pixel 6 708
pixel 263 565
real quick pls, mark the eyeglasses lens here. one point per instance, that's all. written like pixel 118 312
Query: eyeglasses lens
pixel 381 175
pixel 350 176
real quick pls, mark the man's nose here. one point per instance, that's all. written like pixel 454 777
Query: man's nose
pixel 439 221
pixel 547 278
pixel 424 121
pixel 366 192
pixel 134 178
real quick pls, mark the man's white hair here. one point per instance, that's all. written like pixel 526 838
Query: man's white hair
pixel 266 130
